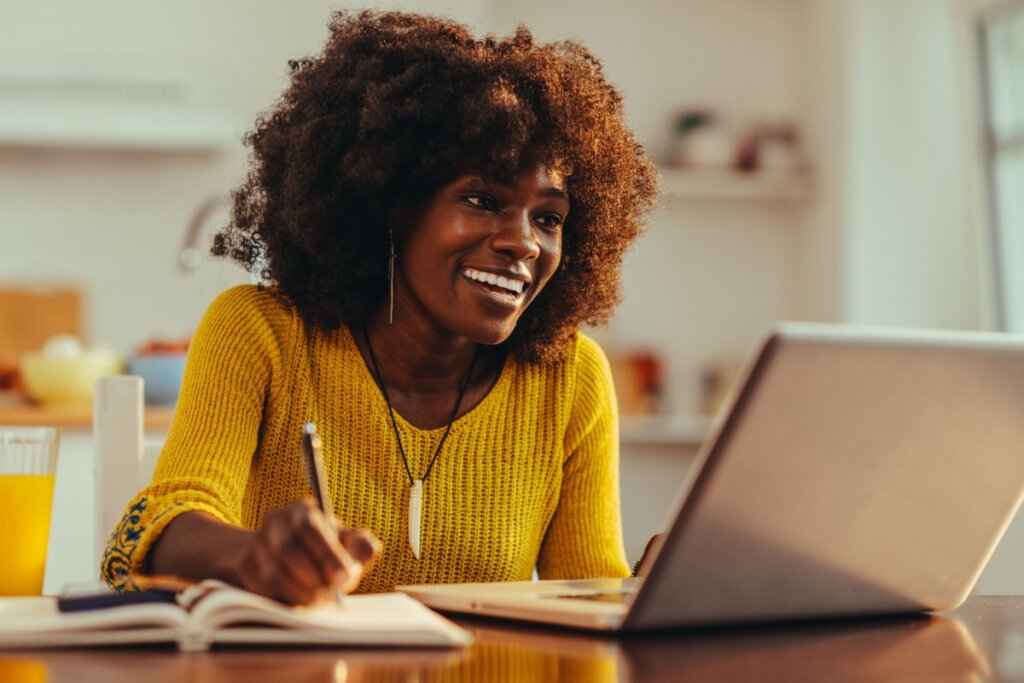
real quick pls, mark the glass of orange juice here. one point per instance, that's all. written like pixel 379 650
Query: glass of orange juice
pixel 28 465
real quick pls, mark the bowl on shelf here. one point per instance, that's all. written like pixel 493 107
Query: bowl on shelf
pixel 66 380
pixel 161 376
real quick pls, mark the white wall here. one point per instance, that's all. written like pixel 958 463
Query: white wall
pixel 710 275
pixel 113 222
pixel 894 240
pixel 908 245
pixel 878 87
pixel 823 102
pixel 738 56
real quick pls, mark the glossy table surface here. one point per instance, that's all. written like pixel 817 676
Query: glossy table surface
pixel 981 641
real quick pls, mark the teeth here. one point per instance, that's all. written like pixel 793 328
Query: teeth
pixel 514 286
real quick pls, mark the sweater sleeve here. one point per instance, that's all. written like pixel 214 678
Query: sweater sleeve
pixel 584 538
pixel 205 461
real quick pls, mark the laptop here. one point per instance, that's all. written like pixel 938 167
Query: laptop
pixel 854 472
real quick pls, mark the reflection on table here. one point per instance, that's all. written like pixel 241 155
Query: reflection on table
pixel 976 643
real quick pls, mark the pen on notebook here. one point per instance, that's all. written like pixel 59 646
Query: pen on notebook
pixel 315 469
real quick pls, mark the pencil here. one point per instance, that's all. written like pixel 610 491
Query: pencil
pixel 311 448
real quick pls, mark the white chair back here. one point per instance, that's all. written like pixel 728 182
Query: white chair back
pixel 124 460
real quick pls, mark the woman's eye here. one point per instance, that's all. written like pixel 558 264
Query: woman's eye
pixel 482 201
pixel 550 221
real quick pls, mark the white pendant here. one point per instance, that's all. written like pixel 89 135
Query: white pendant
pixel 415 516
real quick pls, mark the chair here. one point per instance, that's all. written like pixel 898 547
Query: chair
pixel 123 460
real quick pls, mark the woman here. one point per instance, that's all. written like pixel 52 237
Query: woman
pixel 435 217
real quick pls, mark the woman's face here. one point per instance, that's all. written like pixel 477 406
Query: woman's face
pixel 481 251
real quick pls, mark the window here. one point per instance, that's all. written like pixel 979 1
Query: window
pixel 1002 41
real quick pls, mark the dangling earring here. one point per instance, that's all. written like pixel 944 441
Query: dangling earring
pixel 391 276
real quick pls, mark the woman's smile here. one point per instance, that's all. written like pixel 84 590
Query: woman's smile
pixel 508 284
pixel 505 291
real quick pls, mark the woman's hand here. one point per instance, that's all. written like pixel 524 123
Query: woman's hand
pixel 299 555
pixel 642 565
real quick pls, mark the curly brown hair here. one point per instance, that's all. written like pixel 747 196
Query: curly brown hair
pixel 396 106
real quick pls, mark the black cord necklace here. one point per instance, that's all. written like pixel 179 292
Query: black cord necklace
pixel 416 485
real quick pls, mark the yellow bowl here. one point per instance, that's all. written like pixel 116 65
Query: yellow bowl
pixel 66 381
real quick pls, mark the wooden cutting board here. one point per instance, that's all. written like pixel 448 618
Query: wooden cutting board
pixel 31 314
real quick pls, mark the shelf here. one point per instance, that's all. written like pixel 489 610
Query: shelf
pixel 663 430
pixel 723 183
pixel 72 105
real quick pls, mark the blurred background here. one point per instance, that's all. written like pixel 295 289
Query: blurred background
pixel 839 160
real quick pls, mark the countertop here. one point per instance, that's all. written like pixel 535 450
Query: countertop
pixel 16 409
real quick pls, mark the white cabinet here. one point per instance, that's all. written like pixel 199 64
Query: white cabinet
pixel 71 550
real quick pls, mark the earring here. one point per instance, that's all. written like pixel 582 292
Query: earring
pixel 391 276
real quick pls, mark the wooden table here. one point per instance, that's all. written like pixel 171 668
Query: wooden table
pixel 981 641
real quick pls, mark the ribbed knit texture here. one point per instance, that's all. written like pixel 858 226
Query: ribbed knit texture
pixel 528 477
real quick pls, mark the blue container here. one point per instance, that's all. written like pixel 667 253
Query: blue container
pixel 161 377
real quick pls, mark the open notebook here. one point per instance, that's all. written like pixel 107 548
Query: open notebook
pixel 213 613
pixel 856 472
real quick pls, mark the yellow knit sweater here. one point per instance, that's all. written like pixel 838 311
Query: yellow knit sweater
pixel 528 477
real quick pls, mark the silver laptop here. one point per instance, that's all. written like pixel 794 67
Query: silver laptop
pixel 855 472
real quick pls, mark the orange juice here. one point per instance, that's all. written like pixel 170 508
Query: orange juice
pixel 22 671
pixel 25 503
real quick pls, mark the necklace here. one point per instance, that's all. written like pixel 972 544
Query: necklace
pixel 416 485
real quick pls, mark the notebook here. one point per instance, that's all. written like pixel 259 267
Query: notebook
pixel 215 614
pixel 854 472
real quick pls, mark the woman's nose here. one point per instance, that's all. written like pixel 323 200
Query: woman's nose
pixel 516 236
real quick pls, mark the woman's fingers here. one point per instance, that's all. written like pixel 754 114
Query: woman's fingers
pixel 361 544
pixel 299 553
pixel 288 541
pixel 262 573
pixel 320 542
pixel 361 547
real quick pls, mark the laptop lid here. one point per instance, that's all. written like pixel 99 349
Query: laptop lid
pixel 856 471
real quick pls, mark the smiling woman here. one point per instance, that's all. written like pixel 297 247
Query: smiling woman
pixel 434 217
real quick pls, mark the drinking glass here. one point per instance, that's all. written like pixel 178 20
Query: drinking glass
pixel 28 465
